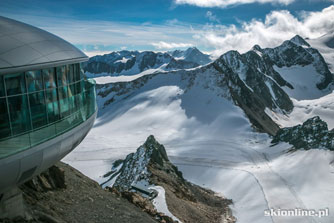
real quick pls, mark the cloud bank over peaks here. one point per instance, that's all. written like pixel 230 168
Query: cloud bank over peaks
pixel 277 27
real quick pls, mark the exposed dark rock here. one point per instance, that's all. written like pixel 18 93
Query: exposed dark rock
pixel 81 200
pixel 312 134
pixel 150 166
pixel 134 62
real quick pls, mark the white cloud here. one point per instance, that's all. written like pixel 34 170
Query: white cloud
pixel 96 37
pixel 277 27
pixel 225 3
pixel 212 17
pixel 168 46
pixel 112 35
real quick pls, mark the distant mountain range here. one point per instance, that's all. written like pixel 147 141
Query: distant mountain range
pixel 258 81
pixel 134 62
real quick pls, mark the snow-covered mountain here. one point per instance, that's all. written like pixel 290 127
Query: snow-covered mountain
pixel 191 55
pixel 325 45
pixel 134 62
pixel 205 117
pixel 253 81
pixel 301 66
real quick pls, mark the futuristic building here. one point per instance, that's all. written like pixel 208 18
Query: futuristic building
pixel 46 105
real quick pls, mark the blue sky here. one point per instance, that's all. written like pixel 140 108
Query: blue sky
pixel 211 25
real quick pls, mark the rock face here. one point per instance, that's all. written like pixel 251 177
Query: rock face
pixel 191 55
pixel 149 166
pixel 134 62
pixel 298 52
pixel 63 194
pixel 312 134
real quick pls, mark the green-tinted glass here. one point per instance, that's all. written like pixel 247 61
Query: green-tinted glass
pixel 19 114
pixel 4 119
pixel 63 101
pixel 15 84
pixel 52 105
pixel 76 71
pixel 49 78
pixel 34 81
pixel 61 76
pixel 2 87
pixel 38 109
pixel 70 73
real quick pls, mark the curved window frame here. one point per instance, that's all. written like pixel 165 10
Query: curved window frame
pixel 47 112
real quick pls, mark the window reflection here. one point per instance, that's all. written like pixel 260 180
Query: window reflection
pixel 61 76
pixel 4 119
pixel 49 78
pixel 2 87
pixel 19 114
pixel 34 81
pixel 15 84
pixel 56 99
pixel 52 105
pixel 38 109
pixel 70 73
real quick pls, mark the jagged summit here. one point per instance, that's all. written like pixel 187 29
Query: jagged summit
pixel 134 169
pixel 133 62
pixel 149 173
pixel 257 48
pixel 192 54
pixel 298 40
pixel 312 134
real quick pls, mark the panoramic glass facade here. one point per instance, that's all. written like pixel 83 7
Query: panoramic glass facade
pixel 38 105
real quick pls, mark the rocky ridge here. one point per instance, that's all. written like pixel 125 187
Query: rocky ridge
pixel 312 134
pixel 134 62
pixel 63 194
pixel 149 167
pixel 249 80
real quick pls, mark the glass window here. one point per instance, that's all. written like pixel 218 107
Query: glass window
pixel 15 84
pixel 52 105
pixel 76 71
pixel 49 78
pixel 81 72
pixel 38 109
pixel 4 119
pixel 34 81
pixel 19 114
pixel 70 73
pixel 2 87
pixel 63 101
pixel 61 76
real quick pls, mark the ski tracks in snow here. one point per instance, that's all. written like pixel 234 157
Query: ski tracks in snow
pixel 277 191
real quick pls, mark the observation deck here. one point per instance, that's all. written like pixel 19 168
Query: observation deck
pixel 47 106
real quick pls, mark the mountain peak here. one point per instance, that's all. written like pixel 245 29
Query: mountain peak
pixel 256 48
pixel 298 40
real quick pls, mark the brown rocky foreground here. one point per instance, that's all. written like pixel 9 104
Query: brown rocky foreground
pixel 63 194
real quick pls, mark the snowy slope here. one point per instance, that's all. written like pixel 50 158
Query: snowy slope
pixel 303 79
pixel 325 45
pixel 208 135
pixel 305 109
pixel 212 142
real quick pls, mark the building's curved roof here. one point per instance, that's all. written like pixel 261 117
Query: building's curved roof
pixel 24 47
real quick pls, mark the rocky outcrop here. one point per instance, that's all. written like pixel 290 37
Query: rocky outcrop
pixel 149 166
pixel 312 134
pixel 63 194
